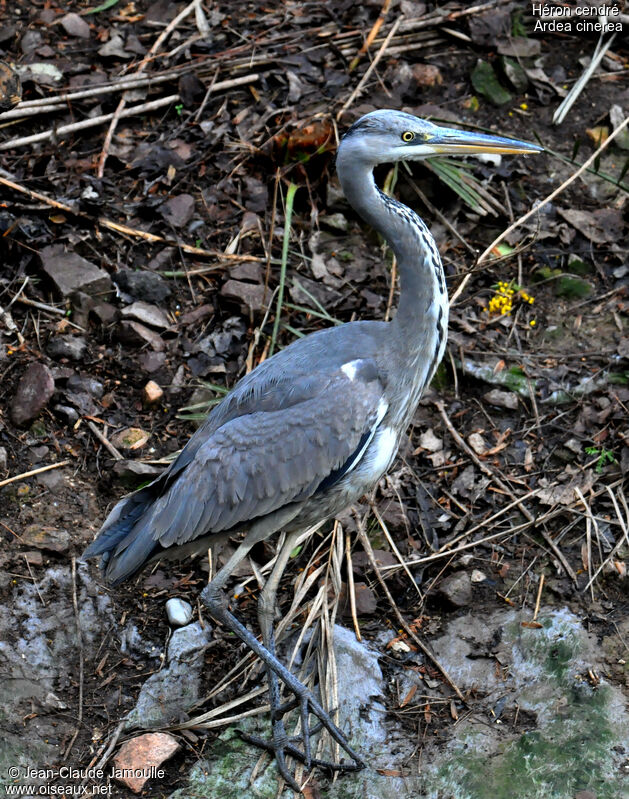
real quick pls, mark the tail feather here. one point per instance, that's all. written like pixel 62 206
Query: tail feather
pixel 125 539
pixel 131 554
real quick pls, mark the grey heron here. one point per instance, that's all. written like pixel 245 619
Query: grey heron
pixel 313 428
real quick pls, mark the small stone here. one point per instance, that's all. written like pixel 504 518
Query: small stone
pixel 178 210
pixel 54 480
pixel 74 25
pixel 138 334
pixel 502 399
pixel 146 286
pixel 114 47
pixel 71 347
pixel 336 221
pixel 427 75
pixel 400 647
pixel 139 757
pixel 457 589
pixel 197 314
pixel 147 314
pixel 105 312
pixel 245 271
pixel 151 361
pixel 4 457
pixel 366 602
pixel 53 701
pixel 251 295
pixel 179 612
pixel 34 558
pixel 152 393
pixel 477 443
pixel 69 272
pixel 82 304
pixel 43 537
pixel 35 388
pixel 477 576
pixel 130 438
pixel 86 383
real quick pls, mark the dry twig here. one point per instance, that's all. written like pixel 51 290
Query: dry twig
pixel 364 540
pixel 33 472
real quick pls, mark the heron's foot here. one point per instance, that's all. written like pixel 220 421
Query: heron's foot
pixel 282 746
pixel 300 747
pixel 307 703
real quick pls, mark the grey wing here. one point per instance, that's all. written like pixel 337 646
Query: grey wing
pixel 298 442
pixel 257 463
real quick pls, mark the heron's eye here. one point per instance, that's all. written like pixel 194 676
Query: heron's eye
pixel 408 135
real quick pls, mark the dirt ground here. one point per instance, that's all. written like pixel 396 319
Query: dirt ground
pixel 521 445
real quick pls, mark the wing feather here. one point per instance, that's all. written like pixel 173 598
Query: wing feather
pixel 273 442
pixel 257 463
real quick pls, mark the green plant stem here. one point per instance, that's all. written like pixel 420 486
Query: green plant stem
pixel 290 196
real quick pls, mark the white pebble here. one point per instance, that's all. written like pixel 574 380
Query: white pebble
pixel 179 612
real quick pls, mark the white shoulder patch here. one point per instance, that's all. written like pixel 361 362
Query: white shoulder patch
pixel 350 369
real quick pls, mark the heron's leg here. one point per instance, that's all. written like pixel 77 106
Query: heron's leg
pixel 266 616
pixel 213 598
pixel 307 701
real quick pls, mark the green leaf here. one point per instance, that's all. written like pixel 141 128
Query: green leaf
pixel 102 7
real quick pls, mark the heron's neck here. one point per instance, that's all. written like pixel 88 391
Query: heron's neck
pixel 420 325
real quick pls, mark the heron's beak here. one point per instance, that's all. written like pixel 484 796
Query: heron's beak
pixel 448 140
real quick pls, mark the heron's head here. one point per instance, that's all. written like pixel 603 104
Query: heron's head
pixel 386 136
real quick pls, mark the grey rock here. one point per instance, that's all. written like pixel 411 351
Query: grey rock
pixel 74 25
pixel 54 481
pixel 70 272
pixel 70 414
pixel 3 459
pixel 145 286
pixel 147 314
pixel 456 589
pixel 71 347
pixel 151 361
pixel 82 304
pixel 139 335
pixel 233 770
pixel 245 271
pixel 35 388
pixel 167 695
pixel 179 612
pixel 178 210
pixel 105 312
pixel 251 295
pixel 83 402
pixel 39 652
pixel 39 644
pixel 132 643
pixel 360 688
pixel 501 399
pixel 114 47
pixel 87 384
pixel 220 341
pixel 43 537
